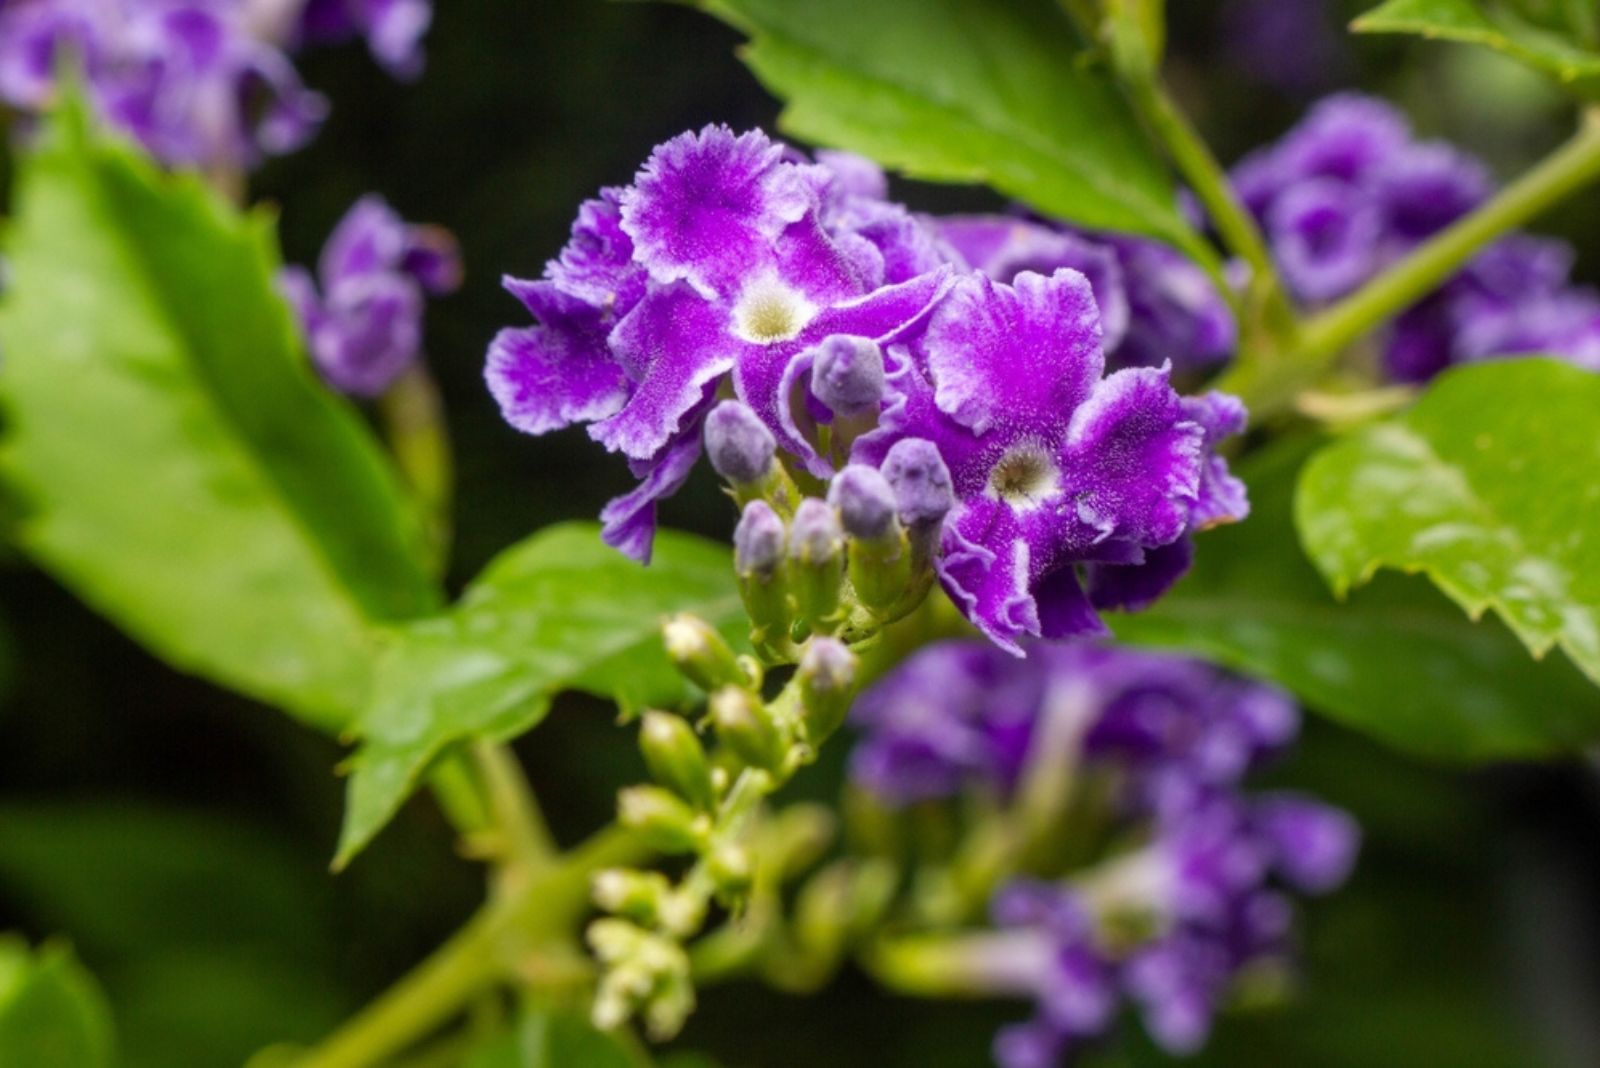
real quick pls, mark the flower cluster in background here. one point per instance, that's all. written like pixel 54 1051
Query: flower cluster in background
pixel 1350 190
pixel 363 323
pixel 848 325
pixel 199 83
pixel 1146 755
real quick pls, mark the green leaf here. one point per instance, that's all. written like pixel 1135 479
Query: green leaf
pixel 218 939
pixel 1490 486
pixel 994 91
pixel 1555 46
pixel 182 469
pixel 1397 660
pixel 559 611
pixel 52 1015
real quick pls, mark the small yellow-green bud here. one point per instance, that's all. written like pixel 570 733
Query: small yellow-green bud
pixel 637 895
pixel 662 818
pixel 827 676
pixel 731 872
pixel 676 758
pixel 703 655
pixel 745 725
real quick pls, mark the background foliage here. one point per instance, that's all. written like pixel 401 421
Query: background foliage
pixel 1466 939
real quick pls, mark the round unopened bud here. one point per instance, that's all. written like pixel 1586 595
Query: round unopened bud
pixel 701 653
pixel 866 502
pixel 816 538
pixel 676 759
pixel 848 374
pixel 758 540
pixel 921 482
pixel 661 818
pixel 739 444
pixel 731 872
pixel 816 554
pixel 827 674
pixel 746 726
pixel 635 894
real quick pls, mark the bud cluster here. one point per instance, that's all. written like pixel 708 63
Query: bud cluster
pixel 704 799
pixel 848 564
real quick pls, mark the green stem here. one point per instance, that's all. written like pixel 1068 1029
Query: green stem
pixel 1270 388
pixel 518 820
pixel 475 958
pixel 1209 182
pixel 413 417
pixel 420 1002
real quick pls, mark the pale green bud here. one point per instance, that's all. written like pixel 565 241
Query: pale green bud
pixel 676 758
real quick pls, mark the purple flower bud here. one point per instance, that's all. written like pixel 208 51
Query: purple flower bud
pixel 740 446
pixel 866 502
pixel 816 537
pixel 758 540
pixel 920 480
pixel 848 374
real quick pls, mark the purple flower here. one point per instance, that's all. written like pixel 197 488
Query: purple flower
pixel 714 262
pixel 1185 890
pixel 394 29
pixel 1053 466
pixel 1174 312
pixel 362 313
pixel 1155 305
pixel 845 324
pixel 1325 236
pixel 189 79
pixel 1349 191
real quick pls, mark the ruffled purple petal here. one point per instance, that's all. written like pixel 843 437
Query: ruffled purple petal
pixel 597 263
pixel 628 523
pixel 707 207
pixel 673 344
pixel 557 372
pixel 1132 461
pixel 1014 357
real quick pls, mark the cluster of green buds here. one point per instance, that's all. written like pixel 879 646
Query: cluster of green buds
pixel 820 577
pixel 847 565
pixel 704 801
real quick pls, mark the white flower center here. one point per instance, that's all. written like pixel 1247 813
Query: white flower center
pixel 769 311
pixel 1025 478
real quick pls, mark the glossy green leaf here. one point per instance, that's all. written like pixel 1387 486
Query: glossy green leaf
pixel 52 1015
pixel 1554 46
pixel 1490 486
pixel 1396 660
pixel 559 611
pixel 992 91
pixel 181 468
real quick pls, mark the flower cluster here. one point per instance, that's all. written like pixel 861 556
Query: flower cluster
pixel 848 327
pixel 1350 190
pixel 1187 896
pixel 203 83
pixel 363 327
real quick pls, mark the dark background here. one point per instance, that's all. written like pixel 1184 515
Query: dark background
pixel 179 835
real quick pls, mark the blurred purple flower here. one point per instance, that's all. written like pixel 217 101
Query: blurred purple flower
pixel 188 79
pixel 362 312
pixel 1348 191
pixel 1189 891
pixel 394 29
